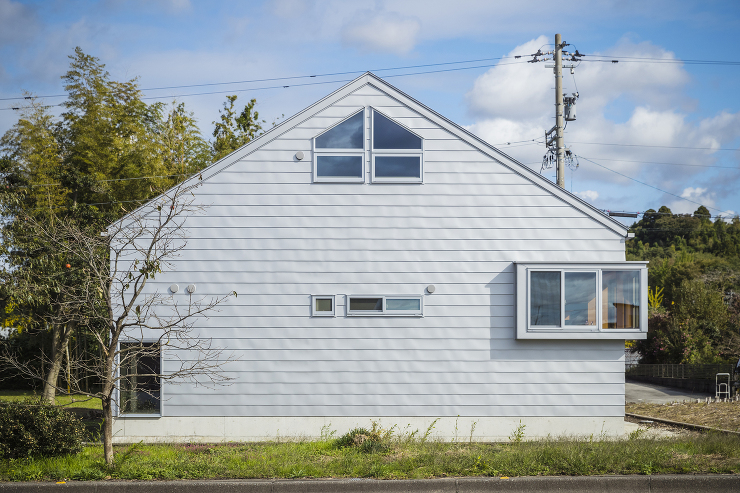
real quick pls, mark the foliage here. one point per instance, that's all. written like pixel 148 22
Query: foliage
pixel 234 131
pixel 366 441
pixel 109 149
pixel 36 429
pixel 416 459
pixel 695 314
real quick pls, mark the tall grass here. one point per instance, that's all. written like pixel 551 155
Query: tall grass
pixel 403 457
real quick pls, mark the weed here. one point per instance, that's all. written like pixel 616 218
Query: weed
pixel 518 434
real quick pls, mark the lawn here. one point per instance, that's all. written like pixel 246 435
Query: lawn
pixel 723 415
pixel 79 401
pixel 398 458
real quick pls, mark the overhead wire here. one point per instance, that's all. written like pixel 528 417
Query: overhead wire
pixel 647 184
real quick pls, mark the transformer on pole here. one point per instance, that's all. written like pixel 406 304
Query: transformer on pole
pixel 565 111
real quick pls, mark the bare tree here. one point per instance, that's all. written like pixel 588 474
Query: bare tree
pixel 134 325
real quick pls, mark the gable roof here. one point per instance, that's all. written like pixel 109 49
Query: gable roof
pixel 369 78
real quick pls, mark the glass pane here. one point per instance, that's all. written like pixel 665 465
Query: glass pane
pixel 339 166
pixel 140 387
pixel 347 135
pixel 402 304
pixel 388 134
pixel 367 304
pixel 545 298
pixel 323 305
pixel 580 298
pixel 398 166
pixel 620 299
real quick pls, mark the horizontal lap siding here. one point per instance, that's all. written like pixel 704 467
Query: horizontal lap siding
pixel 276 238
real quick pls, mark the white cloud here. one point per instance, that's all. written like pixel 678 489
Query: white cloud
pixel 381 32
pixel 643 108
pixel 590 195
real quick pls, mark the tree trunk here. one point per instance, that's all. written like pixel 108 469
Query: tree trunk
pixel 59 343
pixel 108 428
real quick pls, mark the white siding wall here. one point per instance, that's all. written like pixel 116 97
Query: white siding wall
pixel 276 238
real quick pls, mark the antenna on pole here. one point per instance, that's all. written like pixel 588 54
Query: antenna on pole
pixel 565 110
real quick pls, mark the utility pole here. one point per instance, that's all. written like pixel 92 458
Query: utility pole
pixel 559 120
pixel 565 110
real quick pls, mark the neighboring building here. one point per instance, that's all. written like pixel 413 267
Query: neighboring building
pixel 392 266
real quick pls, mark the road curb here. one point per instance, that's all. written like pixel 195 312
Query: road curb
pixel 596 484
pixel 683 425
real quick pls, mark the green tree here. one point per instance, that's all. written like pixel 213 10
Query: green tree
pixel 107 153
pixel 234 131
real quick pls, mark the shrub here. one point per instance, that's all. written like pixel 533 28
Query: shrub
pixel 34 429
pixel 366 441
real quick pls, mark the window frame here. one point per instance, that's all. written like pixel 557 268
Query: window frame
pixel 317 313
pixel 385 312
pixel 341 152
pixel 394 152
pixel 523 301
pixel 118 409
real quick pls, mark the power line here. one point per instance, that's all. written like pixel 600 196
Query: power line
pixel 646 184
pixel 274 79
pixel 656 146
pixel 231 91
pixel 671 164
pixel 635 59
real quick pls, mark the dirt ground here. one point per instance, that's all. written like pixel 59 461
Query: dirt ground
pixel 724 415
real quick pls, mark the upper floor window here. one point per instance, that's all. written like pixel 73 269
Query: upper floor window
pixel 396 152
pixel 339 151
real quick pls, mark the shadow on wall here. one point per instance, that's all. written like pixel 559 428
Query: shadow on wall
pixel 504 346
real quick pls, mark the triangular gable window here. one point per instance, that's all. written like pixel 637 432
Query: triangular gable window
pixel 397 152
pixel 347 135
pixel 388 134
pixel 340 152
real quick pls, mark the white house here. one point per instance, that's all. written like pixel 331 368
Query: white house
pixel 392 266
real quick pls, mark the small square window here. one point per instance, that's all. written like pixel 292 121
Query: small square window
pixel 323 305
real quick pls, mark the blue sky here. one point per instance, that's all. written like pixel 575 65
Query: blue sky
pixel 676 106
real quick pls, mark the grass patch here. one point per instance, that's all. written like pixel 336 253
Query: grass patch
pixel 76 401
pixel 400 459
pixel 724 415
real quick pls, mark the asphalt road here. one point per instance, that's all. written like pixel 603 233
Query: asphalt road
pixel 657 394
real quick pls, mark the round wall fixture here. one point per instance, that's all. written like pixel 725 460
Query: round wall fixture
pixel 431 288
pixel 299 155
pixel 174 288
pixel 191 288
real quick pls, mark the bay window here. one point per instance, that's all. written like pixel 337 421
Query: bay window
pixel 581 300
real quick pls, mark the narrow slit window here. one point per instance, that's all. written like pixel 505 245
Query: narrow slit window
pixel 389 306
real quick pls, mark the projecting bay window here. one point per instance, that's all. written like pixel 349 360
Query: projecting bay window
pixel 582 301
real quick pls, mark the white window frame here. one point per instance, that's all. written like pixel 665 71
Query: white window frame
pixel 316 313
pixel 394 152
pixel 385 312
pixel 523 298
pixel 117 400
pixel 341 152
